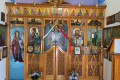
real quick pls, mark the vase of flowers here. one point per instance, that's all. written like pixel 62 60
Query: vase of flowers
pixel 73 75
pixel 35 74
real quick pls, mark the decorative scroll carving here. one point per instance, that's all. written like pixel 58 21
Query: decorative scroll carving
pixel 93 65
pixel 118 68
pixel 33 64
pixel 80 70
pixel 37 56
pixel 30 57
pixel 49 63
pixel 76 63
pixel 61 63
pixel 96 70
pixel 32 67
pixel 89 58
pixel 97 58
pixel 90 71
pixel 93 58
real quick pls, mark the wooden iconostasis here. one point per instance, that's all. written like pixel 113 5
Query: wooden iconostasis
pixel 28 23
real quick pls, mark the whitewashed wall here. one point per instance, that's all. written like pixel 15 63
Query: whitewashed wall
pixel 3 61
pixel 107 65
pixel 3 9
pixel 113 6
pixel 3 69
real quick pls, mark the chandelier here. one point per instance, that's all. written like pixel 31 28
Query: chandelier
pixel 56 2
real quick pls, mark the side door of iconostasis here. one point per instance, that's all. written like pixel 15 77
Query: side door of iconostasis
pixel 86 34
pixel 34 32
pixel 24 47
pixel 78 39
pixel 55 49
pixel 16 48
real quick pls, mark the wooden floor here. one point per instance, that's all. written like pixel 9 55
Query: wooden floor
pixel 90 78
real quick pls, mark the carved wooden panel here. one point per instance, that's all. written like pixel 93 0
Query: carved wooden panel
pixel 61 63
pixel 49 63
pixel 117 67
pixel 76 63
pixel 32 67
pixel 33 62
pixel 30 57
pixel 93 65
pixel 60 21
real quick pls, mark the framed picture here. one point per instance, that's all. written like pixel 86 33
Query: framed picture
pixel 108 20
pixel 110 57
pixel 0 54
pixel 94 50
pixel 4 52
pixel 3 30
pixel 107 37
pixel 86 50
pixel 112 19
pixel 77 50
pixel 37 49
pixel 119 16
pixel 2 16
pixel 106 55
pixel 30 49
pixel 116 17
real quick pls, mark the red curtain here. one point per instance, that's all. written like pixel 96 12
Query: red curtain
pixel 66 37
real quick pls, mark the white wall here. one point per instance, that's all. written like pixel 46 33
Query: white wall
pixel 3 9
pixel 3 61
pixel 105 69
pixel 3 69
pixel 113 7
pixel 107 65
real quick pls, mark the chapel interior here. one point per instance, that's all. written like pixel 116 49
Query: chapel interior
pixel 59 40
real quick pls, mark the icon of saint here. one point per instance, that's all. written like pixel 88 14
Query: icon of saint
pixel 25 11
pixel 46 11
pixel 17 47
pixel 39 12
pixel 17 11
pixel 32 11
pixel 87 13
pixel 93 13
pixel 10 11
pixel 94 36
pixel 77 39
pixel 66 13
pixel 73 13
pixel 79 13
pixel 100 13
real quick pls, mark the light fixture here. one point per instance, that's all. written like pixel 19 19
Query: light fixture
pixel 15 3
pixel 56 2
pixel 80 4
pixel 34 3
pixel 97 5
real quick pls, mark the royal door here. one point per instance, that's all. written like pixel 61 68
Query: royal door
pixel 55 64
